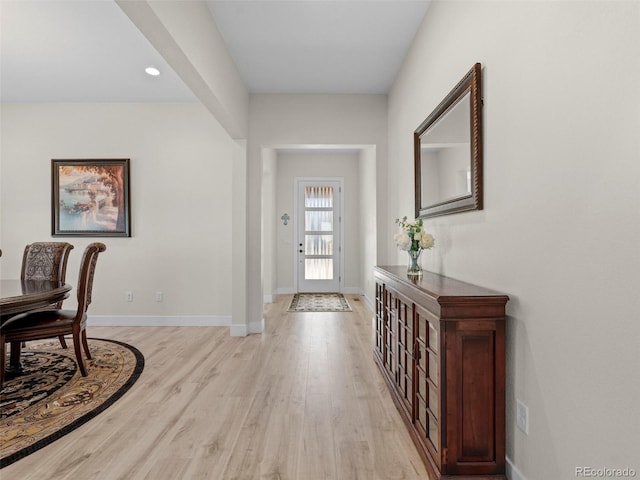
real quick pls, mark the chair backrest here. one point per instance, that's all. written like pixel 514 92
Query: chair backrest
pixel 85 277
pixel 45 261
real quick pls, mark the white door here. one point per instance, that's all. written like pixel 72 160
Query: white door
pixel 318 248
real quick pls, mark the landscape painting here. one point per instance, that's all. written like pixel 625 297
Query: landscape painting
pixel 90 198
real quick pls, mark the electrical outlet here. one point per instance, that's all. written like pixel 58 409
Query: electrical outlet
pixel 159 296
pixel 129 296
pixel 522 417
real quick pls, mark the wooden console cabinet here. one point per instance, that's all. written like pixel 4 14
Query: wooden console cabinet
pixel 440 345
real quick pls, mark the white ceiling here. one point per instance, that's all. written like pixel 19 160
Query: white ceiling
pixel 309 46
pixel 79 51
pixel 89 50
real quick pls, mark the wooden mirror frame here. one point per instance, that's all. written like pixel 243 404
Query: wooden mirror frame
pixel 470 83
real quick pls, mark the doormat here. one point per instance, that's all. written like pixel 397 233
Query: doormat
pixel 49 398
pixel 319 302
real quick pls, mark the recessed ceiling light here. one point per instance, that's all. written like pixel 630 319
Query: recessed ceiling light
pixel 153 71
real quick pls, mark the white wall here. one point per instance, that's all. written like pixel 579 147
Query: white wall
pixel 181 190
pixel 304 120
pixel 561 225
pixel 368 222
pixel 270 221
pixel 318 164
pixel 186 35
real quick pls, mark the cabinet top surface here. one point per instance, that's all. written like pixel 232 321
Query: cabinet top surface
pixel 439 286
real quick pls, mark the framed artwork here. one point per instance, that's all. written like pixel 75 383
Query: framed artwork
pixel 90 198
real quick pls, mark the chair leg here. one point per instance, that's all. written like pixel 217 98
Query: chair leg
pixel 62 341
pixel 85 344
pixel 76 347
pixel 2 359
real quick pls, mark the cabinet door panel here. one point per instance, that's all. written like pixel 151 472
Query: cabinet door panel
pixel 391 329
pixel 477 423
pixel 402 321
pixel 379 320
pixel 428 402
pixel 433 400
pixel 472 362
pixel 434 339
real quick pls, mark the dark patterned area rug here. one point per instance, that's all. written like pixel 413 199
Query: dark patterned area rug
pixel 49 398
pixel 319 302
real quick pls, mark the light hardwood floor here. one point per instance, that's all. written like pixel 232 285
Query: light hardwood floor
pixel 302 401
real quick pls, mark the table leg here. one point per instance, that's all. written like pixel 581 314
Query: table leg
pixel 14 360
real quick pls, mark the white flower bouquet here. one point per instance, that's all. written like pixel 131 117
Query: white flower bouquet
pixel 413 239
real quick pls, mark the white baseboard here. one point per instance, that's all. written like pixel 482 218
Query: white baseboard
pixel 159 321
pixel 256 327
pixel 244 329
pixel 286 291
pixel 268 298
pixel 239 330
pixel 512 471
pixel 236 330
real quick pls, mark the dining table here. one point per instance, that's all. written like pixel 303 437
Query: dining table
pixel 20 296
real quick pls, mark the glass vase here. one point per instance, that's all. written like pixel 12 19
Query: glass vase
pixel 414 268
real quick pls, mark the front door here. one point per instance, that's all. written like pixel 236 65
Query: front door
pixel 318 246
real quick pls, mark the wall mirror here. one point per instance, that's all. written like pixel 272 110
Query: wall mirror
pixel 448 152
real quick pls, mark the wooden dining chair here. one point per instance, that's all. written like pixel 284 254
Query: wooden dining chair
pixel 42 324
pixel 46 261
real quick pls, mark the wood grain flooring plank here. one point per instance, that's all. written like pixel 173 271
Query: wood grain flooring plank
pixel 302 401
